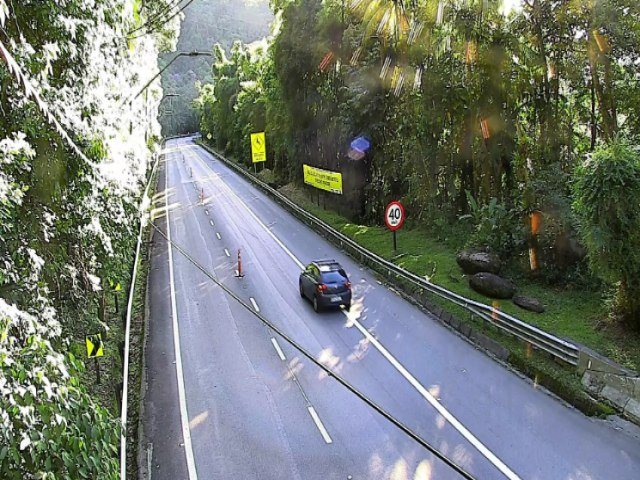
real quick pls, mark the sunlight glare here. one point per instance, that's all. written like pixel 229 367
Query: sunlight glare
pixel 400 470
pixel 198 419
pixel 424 471
pixel 440 422
pixel 509 6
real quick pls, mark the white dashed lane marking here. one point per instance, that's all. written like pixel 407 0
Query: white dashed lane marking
pixel 279 351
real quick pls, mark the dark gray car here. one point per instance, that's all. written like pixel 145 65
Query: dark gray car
pixel 326 284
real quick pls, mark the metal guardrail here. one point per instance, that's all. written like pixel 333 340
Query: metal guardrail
pixel 554 346
pixel 124 410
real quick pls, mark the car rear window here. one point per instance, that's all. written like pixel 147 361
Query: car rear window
pixel 335 276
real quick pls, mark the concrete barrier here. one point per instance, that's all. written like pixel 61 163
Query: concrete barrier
pixel 616 385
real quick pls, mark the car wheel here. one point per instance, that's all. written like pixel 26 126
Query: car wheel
pixel 301 291
pixel 316 307
pixel 347 306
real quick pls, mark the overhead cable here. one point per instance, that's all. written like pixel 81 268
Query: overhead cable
pixel 402 427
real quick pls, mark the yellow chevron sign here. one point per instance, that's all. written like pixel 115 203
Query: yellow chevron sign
pixel 94 345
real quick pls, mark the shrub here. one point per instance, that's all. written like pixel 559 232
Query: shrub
pixel 607 204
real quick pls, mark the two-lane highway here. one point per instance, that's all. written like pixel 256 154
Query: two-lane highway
pixel 226 398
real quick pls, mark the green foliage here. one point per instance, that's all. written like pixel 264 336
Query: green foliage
pixel 496 226
pixel 607 203
pixel 50 427
pixel 67 223
pixel 463 104
pixel 206 22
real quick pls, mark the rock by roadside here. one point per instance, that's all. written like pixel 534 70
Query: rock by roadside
pixel 492 285
pixel 473 262
pixel 528 303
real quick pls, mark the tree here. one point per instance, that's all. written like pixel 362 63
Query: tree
pixel 607 203
pixel 69 202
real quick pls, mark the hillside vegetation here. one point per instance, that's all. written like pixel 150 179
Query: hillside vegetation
pixel 206 22
pixel 75 150
pixel 515 131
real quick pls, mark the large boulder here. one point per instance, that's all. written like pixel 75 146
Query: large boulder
pixel 492 285
pixel 528 303
pixel 475 262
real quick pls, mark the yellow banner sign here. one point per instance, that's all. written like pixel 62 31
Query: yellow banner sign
pixel 258 148
pixel 323 179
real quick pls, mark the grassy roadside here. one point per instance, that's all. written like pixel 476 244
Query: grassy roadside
pixel 108 392
pixel 571 313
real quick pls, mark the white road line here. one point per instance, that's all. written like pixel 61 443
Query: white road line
pixel 149 459
pixel 266 229
pixel 226 252
pixel 318 422
pixel 255 305
pixel 206 212
pixel 186 433
pixel 455 423
pixel 276 345
pixel 211 223
pixel 218 235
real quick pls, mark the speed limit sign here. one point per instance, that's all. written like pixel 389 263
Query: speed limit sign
pixel 394 215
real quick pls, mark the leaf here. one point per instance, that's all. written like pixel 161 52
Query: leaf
pixel 4 13
pixel 26 441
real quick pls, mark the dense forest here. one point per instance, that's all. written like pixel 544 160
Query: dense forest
pixel 520 119
pixel 76 144
pixel 206 22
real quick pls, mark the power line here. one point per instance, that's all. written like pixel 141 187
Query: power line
pixel 155 17
pixel 402 427
pixel 180 10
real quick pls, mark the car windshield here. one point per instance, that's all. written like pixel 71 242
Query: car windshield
pixel 335 276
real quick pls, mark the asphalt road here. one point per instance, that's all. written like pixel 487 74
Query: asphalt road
pixel 226 398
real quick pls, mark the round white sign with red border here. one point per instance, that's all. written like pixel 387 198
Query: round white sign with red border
pixel 394 215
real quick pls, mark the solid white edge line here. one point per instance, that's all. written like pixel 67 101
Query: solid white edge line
pixel 255 305
pixel 318 422
pixel 279 351
pixel 226 252
pixel 127 334
pixel 455 423
pixel 218 235
pixel 186 432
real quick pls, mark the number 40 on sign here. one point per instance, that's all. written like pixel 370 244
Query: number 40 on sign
pixel 394 218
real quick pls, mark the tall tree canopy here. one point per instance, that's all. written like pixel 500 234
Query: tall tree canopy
pixel 472 111
pixel 74 150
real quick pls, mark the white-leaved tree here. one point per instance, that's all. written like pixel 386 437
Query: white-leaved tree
pixel 75 150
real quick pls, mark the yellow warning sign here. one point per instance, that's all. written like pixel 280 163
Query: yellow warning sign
pixel 258 147
pixel 323 179
pixel 94 345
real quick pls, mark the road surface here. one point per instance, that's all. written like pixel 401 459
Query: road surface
pixel 226 398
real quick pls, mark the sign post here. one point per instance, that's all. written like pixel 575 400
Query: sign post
pixel 95 349
pixel 258 149
pixel 394 218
